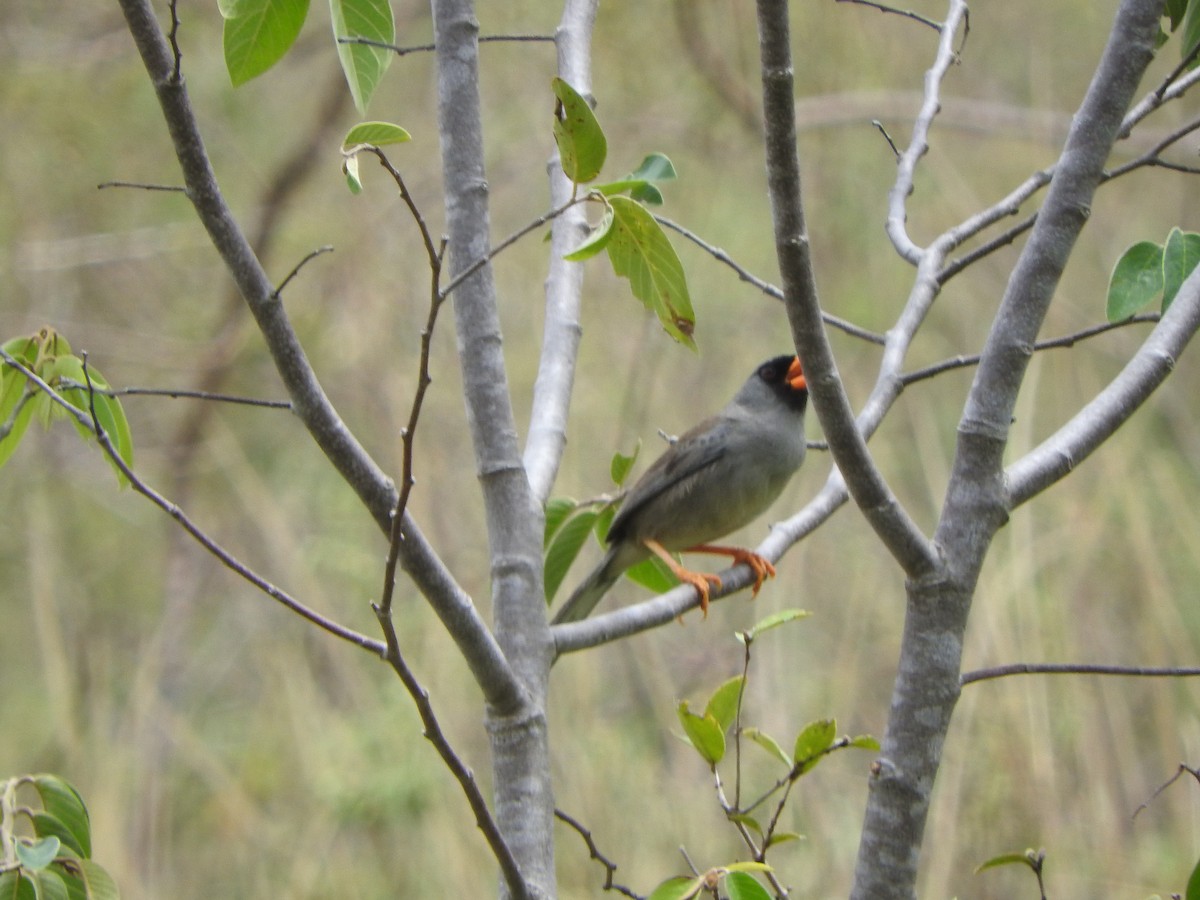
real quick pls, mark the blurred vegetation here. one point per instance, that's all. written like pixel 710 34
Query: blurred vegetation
pixel 226 749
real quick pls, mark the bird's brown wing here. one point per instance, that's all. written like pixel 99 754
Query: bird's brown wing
pixel 691 454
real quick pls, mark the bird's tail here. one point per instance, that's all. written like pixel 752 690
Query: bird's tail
pixel 590 591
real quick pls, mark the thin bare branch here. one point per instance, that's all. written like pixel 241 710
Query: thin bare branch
pixel 918 144
pixel 1067 340
pixel 765 286
pixel 906 13
pixel 176 393
pixel 309 257
pixel 377 492
pixel 430 48
pixel 562 329
pixel 1078 669
pixel 610 867
pixel 911 549
pixel 462 773
pixel 243 571
pixel 142 186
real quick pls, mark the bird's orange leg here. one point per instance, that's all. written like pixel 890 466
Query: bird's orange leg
pixel 699 580
pixel 759 565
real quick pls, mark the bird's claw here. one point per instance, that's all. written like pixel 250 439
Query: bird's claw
pixel 701 581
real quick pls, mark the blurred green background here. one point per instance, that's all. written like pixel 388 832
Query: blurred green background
pixel 226 749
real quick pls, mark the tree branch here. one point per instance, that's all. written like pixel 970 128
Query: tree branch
pixel 330 433
pixel 1059 454
pixel 1077 669
pixel 89 421
pixel 562 330
pixel 517 730
pixel 976 505
pixel 846 441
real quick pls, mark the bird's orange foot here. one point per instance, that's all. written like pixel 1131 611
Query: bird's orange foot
pixel 700 581
pixel 759 565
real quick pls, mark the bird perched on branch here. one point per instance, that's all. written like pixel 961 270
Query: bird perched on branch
pixel 714 479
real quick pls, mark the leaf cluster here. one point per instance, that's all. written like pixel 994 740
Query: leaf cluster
pixel 55 863
pixel 711 732
pixel 71 381
pixel 1148 271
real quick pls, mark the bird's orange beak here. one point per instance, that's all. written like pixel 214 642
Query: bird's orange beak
pixel 795 375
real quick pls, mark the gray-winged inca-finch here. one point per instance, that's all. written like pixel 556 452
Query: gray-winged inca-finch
pixel 714 479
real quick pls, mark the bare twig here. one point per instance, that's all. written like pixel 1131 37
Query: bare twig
pixel 482 261
pixel 906 13
pixel 176 393
pixel 765 286
pixel 435 254
pixel 610 867
pixel 879 127
pixel 430 48
pixel 1079 669
pixel 462 773
pixel 1067 340
pixel 1183 768
pixel 90 421
pixel 142 186
pixel 309 257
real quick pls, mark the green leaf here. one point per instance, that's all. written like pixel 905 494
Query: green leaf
pixel 704 733
pixel 50 885
pixel 740 886
pixel 1191 33
pixel 640 251
pixel 111 416
pixel 619 468
pixel 363 64
pixel 747 866
pixel 748 821
pixel 564 548
pixel 377 134
pixel 864 742
pixel 596 240
pixel 641 181
pixel 350 170
pixel 258 33
pixel 783 837
pixel 723 704
pixel 63 802
pixel 16 420
pixel 1193 885
pixel 24 349
pixel 652 574
pixel 680 887
pixel 97 882
pixel 1009 859
pixel 604 521
pixel 1136 279
pixel 655 167
pixel 1180 255
pixel 557 510
pixel 47 825
pixel 109 413
pixel 774 620
pixel 582 147
pixel 769 744
pixel 812 743
pixel 39 854
pixel 1174 12
pixel 15 886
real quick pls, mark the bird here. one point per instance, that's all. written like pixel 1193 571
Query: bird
pixel 715 478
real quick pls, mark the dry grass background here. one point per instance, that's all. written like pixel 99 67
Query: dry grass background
pixel 226 750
